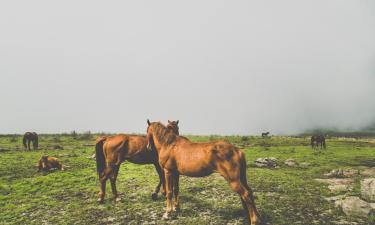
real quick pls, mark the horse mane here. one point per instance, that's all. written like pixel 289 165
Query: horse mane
pixel 163 134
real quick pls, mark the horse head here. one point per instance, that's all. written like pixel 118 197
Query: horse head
pixel 173 125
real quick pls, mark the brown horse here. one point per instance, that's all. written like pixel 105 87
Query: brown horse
pixel 318 140
pixel 29 137
pixel 114 150
pixel 179 156
pixel 46 163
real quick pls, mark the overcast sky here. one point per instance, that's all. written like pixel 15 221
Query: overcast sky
pixel 220 67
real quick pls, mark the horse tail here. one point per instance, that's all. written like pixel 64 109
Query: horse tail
pixel 243 166
pixel 99 155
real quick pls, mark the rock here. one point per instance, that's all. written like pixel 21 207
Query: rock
pixel 336 181
pixel 354 206
pixel 335 198
pixel 338 185
pixel 340 188
pixel 351 173
pixel 368 189
pixel 290 162
pixel 269 162
pixel 342 173
pixel 369 172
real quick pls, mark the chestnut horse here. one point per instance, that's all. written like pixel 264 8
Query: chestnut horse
pixel 30 137
pixel 46 163
pixel 179 156
pixel 114 150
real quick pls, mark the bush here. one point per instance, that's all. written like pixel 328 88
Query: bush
pixel 74 135
pixel 86 136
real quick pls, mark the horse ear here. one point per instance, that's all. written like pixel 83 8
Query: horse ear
pixel 148 122
pixel 178 121
pixel 169 121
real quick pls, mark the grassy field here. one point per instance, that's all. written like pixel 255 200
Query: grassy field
pixel 284 196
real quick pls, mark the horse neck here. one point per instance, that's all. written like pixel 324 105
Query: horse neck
pixel 159 144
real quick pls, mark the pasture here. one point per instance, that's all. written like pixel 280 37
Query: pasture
pixel 285 195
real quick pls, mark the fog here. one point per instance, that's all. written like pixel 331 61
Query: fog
pixel 220 67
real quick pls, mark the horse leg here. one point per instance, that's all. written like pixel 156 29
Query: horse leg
pixel 28 145
pixel 238 183
pixel 169 187
pixel 154 195
pixel 247 200
pixel 103 180
pixel 113 179
pixel 176 191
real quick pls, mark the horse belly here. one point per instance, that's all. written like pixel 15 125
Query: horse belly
pixel 194 169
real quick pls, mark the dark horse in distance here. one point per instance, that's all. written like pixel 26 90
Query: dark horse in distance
pixel 29 137
pixel 113 150
pixel 318 141
pixel 179 156
pixel 265 134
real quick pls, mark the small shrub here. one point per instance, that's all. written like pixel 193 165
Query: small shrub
pixel 86 136
pixel 74 135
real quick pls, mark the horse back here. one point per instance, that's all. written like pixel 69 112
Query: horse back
pixel 131 147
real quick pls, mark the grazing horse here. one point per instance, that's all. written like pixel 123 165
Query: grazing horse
pixel 46 163
pixel 179 156
pixel 30 137
pixel 265 134
pixel 114 150
pixel 318 140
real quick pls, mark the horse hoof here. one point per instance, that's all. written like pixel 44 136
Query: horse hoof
pixel 100 201
pixel 154 196
pixel 166 216
pixel 117 199
pixel 176 209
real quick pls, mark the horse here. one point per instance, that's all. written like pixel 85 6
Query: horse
pixel 318 140
pixel 265 134
pixel 112 151
pixel 179 156
pixel 30 137
pixel 46 163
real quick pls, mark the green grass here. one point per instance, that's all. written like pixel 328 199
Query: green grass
pixel 283 196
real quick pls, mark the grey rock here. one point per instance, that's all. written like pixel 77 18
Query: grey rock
pixel 368 189
pixel 354 206
pixel 370 172
pixel 342 173
pixel 269 162
pixel 291 162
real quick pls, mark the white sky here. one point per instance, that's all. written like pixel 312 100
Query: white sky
pixel 220 67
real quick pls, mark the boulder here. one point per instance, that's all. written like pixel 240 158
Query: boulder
pixel 370 172
pixel 269 162
pixel 342 173
pixel 340 188
pixel 337 185
pixel 291 162
pixel 336 181
pixel 354 206
pixel 368 189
